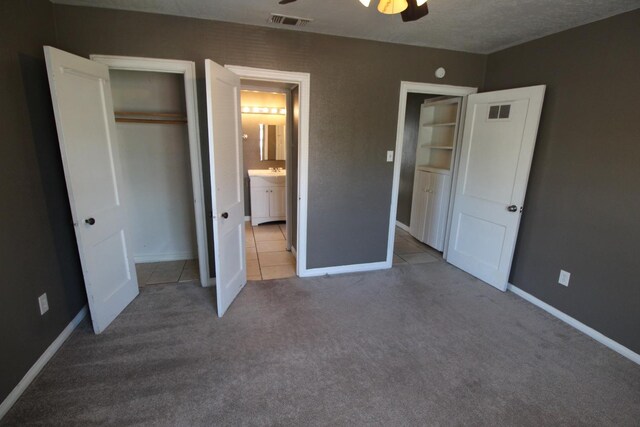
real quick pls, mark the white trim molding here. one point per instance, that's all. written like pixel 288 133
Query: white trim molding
pixel 303 80
pixel 342 269
pixel 405 88
pixel 173 256
pixel 587 330
pixel 32 373
pixel 188 70
pixel 402 226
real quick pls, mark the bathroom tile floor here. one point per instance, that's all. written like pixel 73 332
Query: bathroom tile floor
pixel 408 250
pixel 155 273
pixel 267 257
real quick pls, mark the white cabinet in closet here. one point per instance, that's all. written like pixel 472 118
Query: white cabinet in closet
pixel 267 199
pixel 429 208
pixel 434 162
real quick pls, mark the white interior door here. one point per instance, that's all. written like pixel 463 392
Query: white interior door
pixel 497 147
pixel 83 109
pixel 225 155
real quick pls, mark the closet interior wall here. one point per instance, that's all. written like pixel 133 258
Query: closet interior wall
pixel 154 156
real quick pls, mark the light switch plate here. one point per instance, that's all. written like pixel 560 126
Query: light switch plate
pixel 43 303
pixel 390 156
pixel 564 278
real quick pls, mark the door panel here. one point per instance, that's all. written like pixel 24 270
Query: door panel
pixel 422 184
pixel 223 113
pixel 259 202
pixel 436 213
pixel 505 136
pixel 276 202
pixel 81 97
pixel 497 147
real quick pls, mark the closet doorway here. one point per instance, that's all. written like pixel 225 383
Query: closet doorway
pixel 429 127
pixel 155 110
pixel 472 162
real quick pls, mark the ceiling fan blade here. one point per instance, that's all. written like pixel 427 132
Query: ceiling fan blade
pixel 414 12
pixel 286 1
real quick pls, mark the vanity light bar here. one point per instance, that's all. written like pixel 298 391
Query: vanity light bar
pixel 264 110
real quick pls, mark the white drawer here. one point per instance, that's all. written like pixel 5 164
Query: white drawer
pixel 267 181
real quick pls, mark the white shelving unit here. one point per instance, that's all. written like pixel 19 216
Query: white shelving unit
pixel 437 135
pixel 439 118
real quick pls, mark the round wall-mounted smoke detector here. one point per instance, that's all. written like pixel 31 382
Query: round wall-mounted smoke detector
pixel 440 72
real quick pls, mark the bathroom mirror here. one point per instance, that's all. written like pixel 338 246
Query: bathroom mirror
pixel 272 142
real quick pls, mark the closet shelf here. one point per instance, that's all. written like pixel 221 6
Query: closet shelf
pixel 428 168
pixel 436 147
pixel 149 117
pixel 433 125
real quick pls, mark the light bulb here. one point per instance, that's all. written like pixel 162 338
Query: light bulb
pixel 390 7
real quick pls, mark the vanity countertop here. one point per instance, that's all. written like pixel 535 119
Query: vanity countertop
pixel 267 172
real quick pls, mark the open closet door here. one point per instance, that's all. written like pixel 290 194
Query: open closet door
pixel 225 157
pixel 497 147
pixel 83 110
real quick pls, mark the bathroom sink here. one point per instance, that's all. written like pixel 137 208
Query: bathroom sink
pixel 267 172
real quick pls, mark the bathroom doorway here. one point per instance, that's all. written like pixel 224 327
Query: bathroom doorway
pixel 296 160
pixel 269 133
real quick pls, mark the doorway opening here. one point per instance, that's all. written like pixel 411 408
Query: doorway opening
pixel 270 139
pixel 429 118
pixel 159 154
pixel 262 224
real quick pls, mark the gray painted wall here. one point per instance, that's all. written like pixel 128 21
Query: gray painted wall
pixel 38 247
pixel 408 164
pixel 354 99
pixel 582 202
pixel 582 211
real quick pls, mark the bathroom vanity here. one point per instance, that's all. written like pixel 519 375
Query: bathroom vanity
pixel 268 195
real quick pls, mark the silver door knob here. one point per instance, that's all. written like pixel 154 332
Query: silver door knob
pixel 512 208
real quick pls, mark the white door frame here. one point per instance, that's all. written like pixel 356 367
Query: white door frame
pixel 430 89
pixel 303 80
pixel 188 70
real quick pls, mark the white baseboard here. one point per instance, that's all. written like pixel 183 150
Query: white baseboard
pixel 174 256
pixel 40 363
pixel 247 218
pixel 402 226
pixel 602 339
pixel 342 269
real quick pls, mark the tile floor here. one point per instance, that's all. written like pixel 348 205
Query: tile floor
pixel 408 250
pixel 267 257
pixel 155 273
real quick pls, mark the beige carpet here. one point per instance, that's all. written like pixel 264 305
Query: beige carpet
pixel 416 345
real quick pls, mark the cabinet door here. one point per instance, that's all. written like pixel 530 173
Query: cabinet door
pixel 260 202
pixel 421 188
pixel 277 202
pixel 437 211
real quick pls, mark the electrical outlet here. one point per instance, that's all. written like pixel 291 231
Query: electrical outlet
pixel 390 156
pixel 44 303
pixel 564 278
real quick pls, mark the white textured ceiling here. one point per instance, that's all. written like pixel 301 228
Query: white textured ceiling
pixel 480 26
